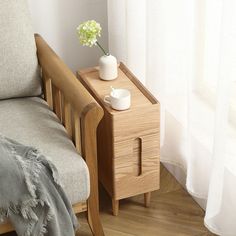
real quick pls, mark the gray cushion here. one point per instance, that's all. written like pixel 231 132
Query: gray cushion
pixel 30 122
pixel 19 71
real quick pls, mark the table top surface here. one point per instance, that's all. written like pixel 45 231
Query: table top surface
pixel 101 88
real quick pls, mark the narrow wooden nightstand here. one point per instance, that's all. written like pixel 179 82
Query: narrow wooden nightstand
pixel 128 141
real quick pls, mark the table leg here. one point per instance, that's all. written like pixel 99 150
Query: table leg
pixel 147 199
pixel 115 207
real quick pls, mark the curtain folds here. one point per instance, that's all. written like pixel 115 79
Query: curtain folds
pixel 185 53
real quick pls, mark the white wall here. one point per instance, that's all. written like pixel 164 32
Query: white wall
pixel 56 21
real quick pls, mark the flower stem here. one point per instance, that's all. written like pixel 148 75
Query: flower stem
pixel 105 53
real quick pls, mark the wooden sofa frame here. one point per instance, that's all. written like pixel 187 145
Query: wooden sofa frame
pixel 80 114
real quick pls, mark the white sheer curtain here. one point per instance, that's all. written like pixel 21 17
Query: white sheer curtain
pixel 185 53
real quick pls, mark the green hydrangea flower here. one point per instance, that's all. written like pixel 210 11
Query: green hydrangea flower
pixel 88 33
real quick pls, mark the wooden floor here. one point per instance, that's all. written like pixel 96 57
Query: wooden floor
pixel 172 212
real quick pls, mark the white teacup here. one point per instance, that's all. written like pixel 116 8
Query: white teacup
pixel 119 99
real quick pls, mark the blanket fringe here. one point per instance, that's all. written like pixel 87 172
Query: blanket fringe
pixel 31 168
pixel 43 230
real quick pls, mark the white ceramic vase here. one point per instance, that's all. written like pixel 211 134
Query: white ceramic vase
pixel 108 67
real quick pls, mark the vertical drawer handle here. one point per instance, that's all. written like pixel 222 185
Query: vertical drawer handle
pixel 137 157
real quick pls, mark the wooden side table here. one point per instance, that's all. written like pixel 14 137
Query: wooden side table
pixel 128 141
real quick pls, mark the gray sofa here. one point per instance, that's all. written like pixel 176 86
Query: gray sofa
pixel 32 77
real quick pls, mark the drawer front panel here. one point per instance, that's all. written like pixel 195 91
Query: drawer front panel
pixel 134 123
pixel 136 165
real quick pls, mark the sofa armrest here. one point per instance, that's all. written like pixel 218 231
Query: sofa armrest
pixel 62 90
pixel 62 77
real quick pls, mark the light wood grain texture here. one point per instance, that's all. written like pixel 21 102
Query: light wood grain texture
pixel 67 117
pixel 86 117
pixel 136 123
pixel 127 184
pixel 89 123
pixel 47 89
pixel 80 207
pixel 101 88
pixel 56 98
pixel 172 213
pixel 6 227
pixel 77 132
pixel 104 132
pixel 128 141
pixel 62 109
pixel 147 199
pixel 115 207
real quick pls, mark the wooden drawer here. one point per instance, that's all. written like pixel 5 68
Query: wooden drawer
pixel 136 166
pixel 135 123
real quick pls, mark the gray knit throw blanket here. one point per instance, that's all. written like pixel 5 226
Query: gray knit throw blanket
pixel 31 196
